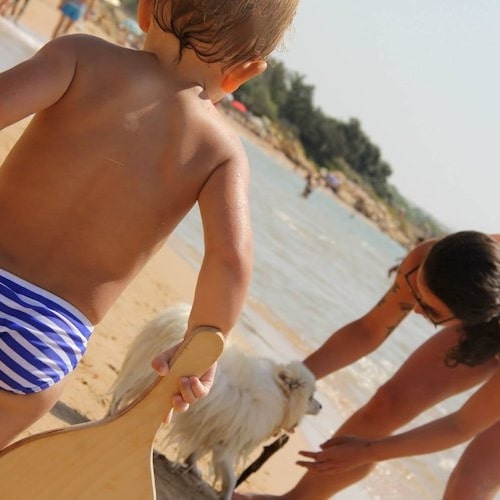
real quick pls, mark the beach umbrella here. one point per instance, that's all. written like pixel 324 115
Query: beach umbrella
pixel 239 106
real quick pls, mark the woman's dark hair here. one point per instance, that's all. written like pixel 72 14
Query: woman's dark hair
pixel 463 270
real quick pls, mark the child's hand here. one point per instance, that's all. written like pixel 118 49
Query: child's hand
pixel 191 389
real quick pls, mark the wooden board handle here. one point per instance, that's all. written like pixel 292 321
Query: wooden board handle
pixel 193 358
pixel 198 353
pixel 109 459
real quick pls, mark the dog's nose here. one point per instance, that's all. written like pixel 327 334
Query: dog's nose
pixel 319 407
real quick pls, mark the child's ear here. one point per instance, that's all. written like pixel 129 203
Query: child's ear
pixel 241 73
pixel 144 14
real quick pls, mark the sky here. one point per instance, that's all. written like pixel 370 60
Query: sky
pixel 423 78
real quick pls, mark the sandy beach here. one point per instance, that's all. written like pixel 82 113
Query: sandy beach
pixel 165 280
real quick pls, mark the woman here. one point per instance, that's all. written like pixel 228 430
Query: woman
pixel 455 284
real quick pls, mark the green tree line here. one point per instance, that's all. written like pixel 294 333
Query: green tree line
pixel 287 99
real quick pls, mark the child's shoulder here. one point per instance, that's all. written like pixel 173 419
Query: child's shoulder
pixel 80 43
pixel 224 133
pixel 90 54
pixel 81 39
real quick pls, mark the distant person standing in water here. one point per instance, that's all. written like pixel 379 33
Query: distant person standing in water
pixel 310 184
pixel 454 283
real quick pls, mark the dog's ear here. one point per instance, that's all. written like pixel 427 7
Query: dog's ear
pixel 287 381
pixel 290 381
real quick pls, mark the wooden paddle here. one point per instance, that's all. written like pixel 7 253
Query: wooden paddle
pixel 110 459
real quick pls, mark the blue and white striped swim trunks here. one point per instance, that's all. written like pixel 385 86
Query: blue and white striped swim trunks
pixel 42 337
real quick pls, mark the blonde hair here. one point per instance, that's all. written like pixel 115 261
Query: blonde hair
pixel 226 31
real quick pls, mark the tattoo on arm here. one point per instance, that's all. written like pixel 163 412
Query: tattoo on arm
pixel 405 307
pixel 390 329
pixel 394 289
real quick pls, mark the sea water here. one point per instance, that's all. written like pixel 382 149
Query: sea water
pixel 318 265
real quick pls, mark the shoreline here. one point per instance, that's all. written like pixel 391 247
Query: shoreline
pixel 346 196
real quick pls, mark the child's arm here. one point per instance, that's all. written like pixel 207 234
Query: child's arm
pixel 227 263
pixel 480 412
pixel 36 83
pixel 226 268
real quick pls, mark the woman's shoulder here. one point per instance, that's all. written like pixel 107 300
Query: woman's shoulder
pixel 417 255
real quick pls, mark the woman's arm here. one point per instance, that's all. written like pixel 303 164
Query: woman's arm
pixel 481 411
pixel 357 339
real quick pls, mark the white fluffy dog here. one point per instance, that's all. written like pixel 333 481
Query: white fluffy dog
pixel 251 400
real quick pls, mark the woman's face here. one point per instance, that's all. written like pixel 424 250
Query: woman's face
pixel 428 304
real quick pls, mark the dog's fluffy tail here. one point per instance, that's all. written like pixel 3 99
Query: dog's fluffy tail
pixel 137 374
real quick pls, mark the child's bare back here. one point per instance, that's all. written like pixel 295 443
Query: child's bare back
pixel 101 177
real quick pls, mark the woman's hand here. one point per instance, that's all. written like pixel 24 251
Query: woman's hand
pixel 339 454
